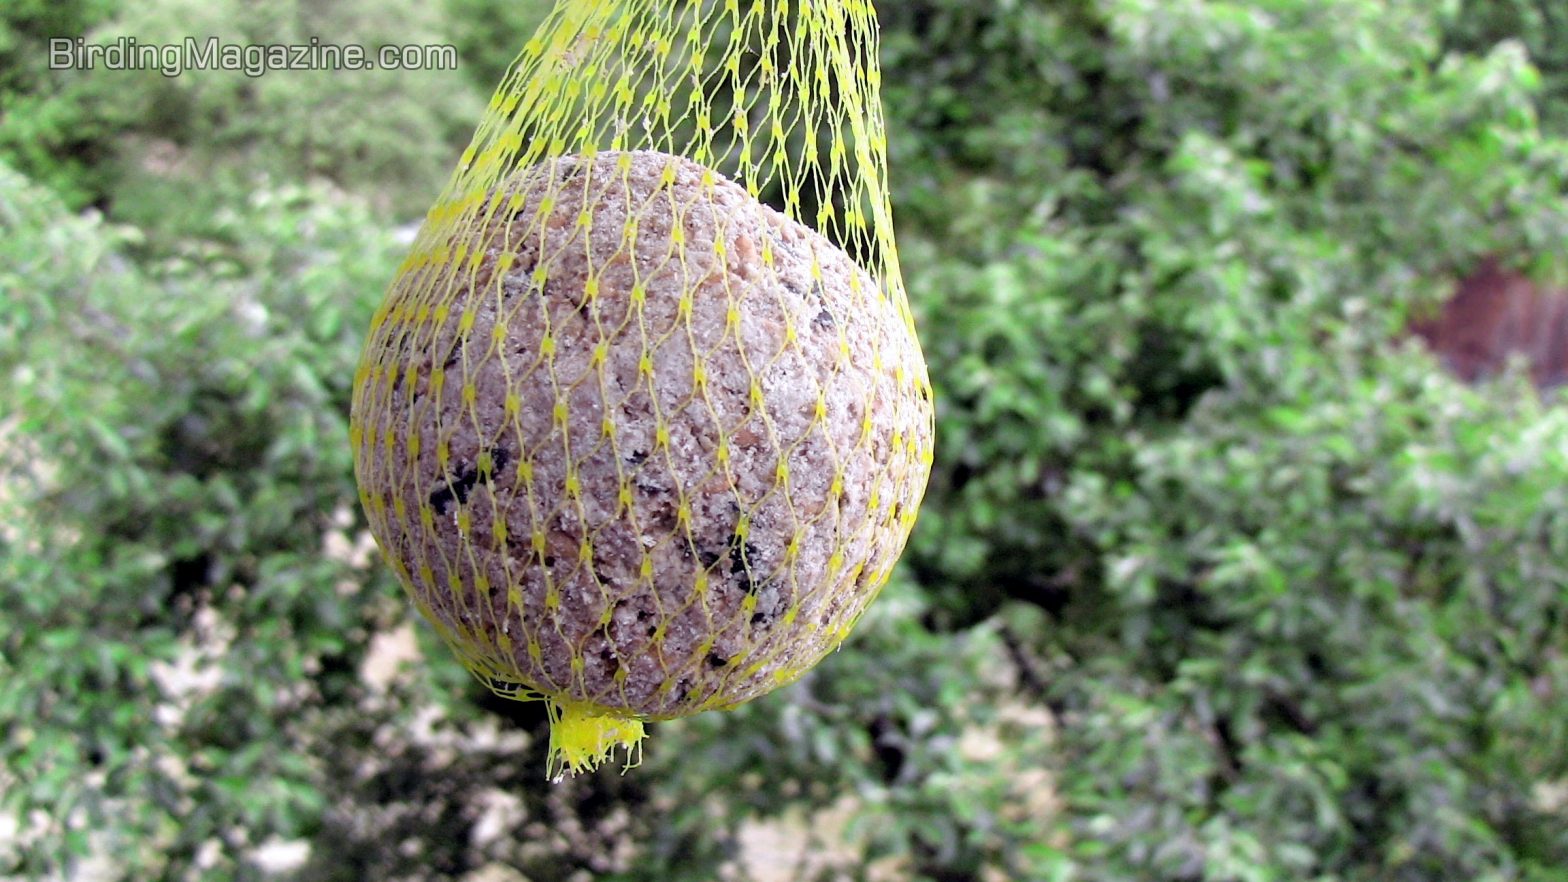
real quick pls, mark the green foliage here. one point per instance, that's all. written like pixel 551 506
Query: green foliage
pixel 926 740
pixel 1309 597
pixel 358 128
pixel 489 34
pixel 50 127
pixel 180 444
pixel 172 150
pixel 1218 577
pixel 1541 28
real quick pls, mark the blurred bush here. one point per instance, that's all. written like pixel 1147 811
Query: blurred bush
pixel 1308 595
pixel 1218 578
pixel 167 152
pixel 176 455
pixel 50 127
pixel 1541 28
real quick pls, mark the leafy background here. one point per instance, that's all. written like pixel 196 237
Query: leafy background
pixel 1219 577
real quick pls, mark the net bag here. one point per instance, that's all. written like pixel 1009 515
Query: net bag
pixel 642 424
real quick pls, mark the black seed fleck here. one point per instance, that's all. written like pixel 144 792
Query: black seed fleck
pixel 499 457
pixel 607 651
pixel 459 489
pixel 741 555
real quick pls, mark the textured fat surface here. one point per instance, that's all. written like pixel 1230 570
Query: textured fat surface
pixel 655 447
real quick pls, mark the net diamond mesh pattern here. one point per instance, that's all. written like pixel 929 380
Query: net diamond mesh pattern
pixel 636 442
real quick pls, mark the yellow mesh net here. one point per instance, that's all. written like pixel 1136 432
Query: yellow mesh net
pixel 643 423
